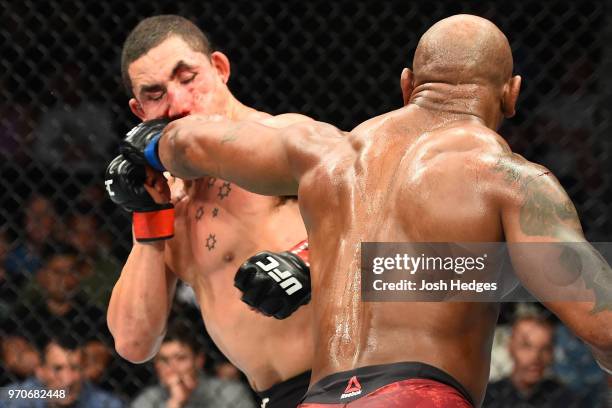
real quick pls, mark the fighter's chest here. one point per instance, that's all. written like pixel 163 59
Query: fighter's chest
pixel 214 224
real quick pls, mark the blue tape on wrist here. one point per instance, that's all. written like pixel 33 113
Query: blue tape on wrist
pixel 151 154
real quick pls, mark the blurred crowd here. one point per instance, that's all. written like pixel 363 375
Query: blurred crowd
pixel 56 280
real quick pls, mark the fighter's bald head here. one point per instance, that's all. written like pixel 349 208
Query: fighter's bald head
pixel 463 49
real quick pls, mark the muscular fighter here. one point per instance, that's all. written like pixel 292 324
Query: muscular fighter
pixel 204 229
pixel 434 170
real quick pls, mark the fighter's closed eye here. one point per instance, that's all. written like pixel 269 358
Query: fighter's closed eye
pixel 185 79
pixel 155 96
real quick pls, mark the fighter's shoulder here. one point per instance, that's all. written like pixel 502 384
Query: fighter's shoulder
pixel 471 139
pixel 513 178
pixel 479 155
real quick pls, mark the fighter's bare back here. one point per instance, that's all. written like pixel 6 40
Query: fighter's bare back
pixel 415 179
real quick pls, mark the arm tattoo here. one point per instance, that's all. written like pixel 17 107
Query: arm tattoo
pixel 543 206
pixel 581 259
pixel 600 281
pixel 544 212
pixel 232 134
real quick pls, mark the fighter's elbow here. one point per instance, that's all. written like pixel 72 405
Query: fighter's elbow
pixel 133 350
pixel 133 346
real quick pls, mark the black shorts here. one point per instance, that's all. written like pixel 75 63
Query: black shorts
pixel 286 394
pixel 406 384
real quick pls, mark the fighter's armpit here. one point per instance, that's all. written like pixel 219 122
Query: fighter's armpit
pixel 544 207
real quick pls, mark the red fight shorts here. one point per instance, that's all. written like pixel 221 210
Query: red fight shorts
pixel 398 385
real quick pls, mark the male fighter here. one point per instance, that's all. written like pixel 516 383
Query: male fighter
pixel 169 67
pixel 432 171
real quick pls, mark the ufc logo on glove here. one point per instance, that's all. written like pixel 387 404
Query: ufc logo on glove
pixel 286 278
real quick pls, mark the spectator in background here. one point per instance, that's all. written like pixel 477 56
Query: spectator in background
pixel 96 360
pixel 99 269
pixel 574 365
pixel 182 383
pixel 23 261
pixel 53 303
pixel 227 371
pixel 531 350
pixel 15 128
pixel 62 369
pixel 19 359
pixel 76 134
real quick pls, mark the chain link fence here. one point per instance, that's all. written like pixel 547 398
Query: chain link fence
pixel 63 110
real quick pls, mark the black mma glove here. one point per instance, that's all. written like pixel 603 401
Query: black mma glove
pixel 276 284
pixel 124 182
pixel 140 145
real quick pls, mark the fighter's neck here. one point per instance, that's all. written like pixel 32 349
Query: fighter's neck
pixel 466 100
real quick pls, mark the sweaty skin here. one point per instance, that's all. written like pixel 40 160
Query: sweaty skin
pixel 217 227
pixel 432 171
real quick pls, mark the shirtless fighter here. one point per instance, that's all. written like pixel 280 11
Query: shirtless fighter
pixel 169 68
pixel 432 171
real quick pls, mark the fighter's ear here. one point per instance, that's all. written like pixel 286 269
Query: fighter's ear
pixel 510 94
pixel 407 84
pixel 222 65
pixel 136 108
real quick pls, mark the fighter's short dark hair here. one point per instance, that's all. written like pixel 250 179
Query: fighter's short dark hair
pixel 151 32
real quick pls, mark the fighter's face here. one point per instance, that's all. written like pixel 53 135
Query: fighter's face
pixel 531 348
pixel 172 80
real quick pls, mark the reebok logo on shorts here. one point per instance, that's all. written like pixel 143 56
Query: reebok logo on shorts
pixel 353 388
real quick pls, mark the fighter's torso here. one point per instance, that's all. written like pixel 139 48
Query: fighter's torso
pixel 218 226
pixel 388 182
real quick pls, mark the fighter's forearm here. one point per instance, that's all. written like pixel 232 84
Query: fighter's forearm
pixel 140 303
pixel 589 290
pixel 184 154
pixel 252 155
